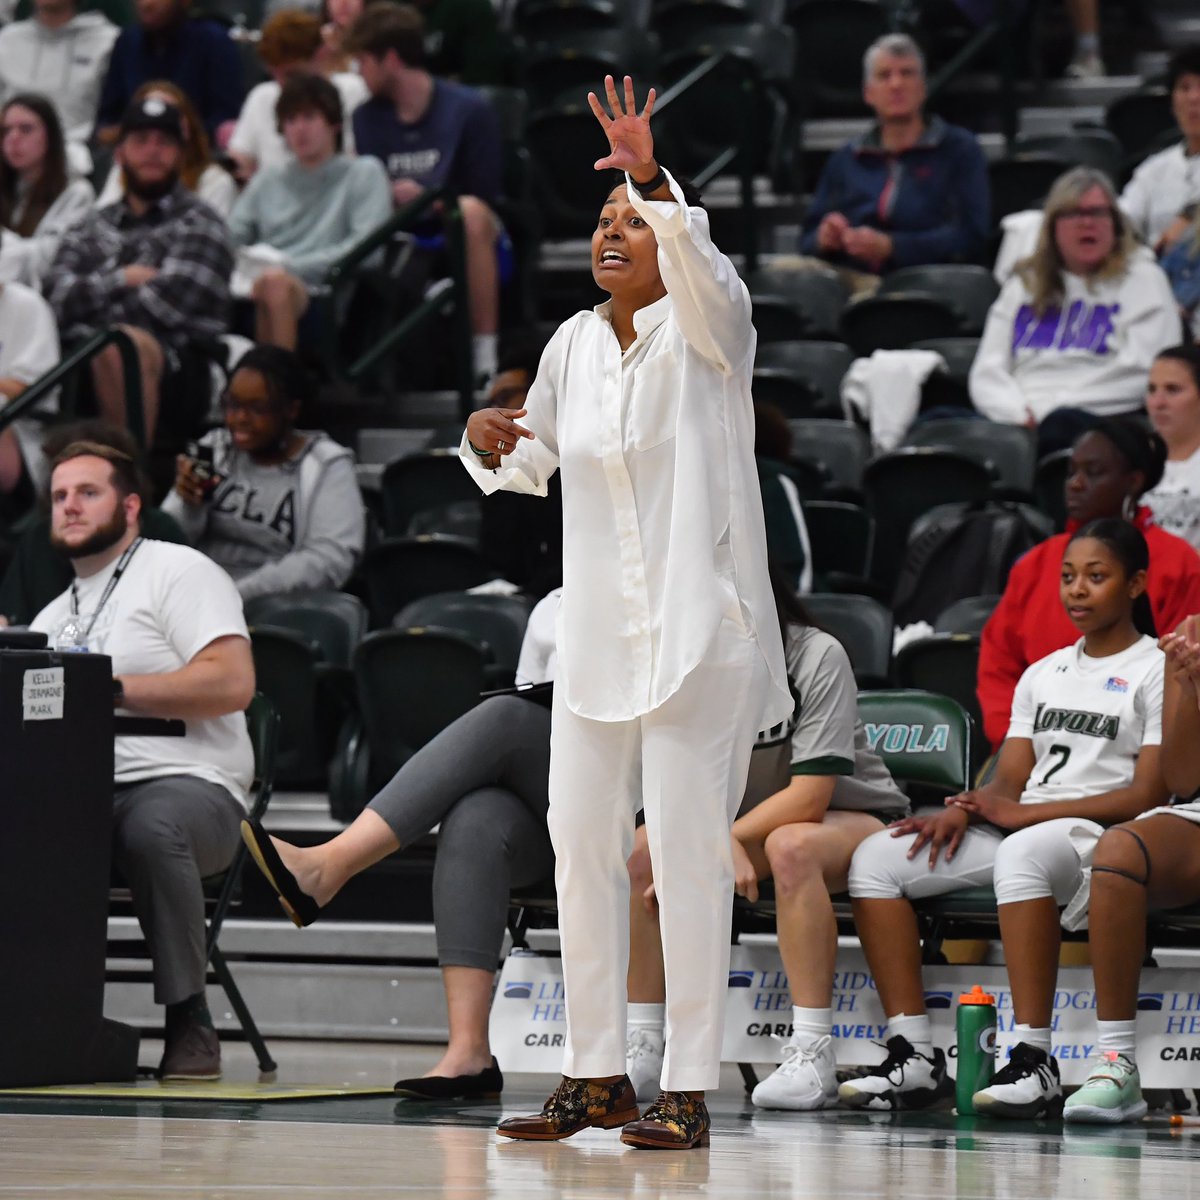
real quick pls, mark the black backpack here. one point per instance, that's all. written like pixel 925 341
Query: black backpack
pixel 960 550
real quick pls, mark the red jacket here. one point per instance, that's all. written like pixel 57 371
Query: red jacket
pixel 1030 621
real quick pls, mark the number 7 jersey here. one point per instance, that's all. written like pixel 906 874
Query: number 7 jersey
pixel 1088 719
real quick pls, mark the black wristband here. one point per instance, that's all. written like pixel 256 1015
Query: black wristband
pixel 651 185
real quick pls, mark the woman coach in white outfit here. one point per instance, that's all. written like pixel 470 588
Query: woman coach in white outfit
pixel 669 652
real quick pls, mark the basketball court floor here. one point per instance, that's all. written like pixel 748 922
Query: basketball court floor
pixel 371 1145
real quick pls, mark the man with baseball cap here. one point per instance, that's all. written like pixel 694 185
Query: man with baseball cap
pixel 156 264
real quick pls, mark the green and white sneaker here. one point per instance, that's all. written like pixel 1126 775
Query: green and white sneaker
pixel 1111 1094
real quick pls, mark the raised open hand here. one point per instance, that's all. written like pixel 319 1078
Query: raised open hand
pixel 630 142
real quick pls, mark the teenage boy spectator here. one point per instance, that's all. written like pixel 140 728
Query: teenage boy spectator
pixel 1161 198
pixel 431 133
pixel 309 211
pixel 157 264
pixel 62 53
pixel 167 43
pixel 172 623
pixel 911 190
pixel 290 45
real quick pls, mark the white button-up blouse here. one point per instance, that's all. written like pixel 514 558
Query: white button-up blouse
pixel 663 528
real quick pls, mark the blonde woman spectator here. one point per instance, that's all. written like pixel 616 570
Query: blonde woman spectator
pixel 1080 321
pixel 38 200
pixel 291 43
pixel 213 184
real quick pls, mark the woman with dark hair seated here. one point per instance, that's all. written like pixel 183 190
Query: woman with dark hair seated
pixel 276 506
pixel 38 200
pixel 1082 753
pixel 1152 863
pixel 1112 467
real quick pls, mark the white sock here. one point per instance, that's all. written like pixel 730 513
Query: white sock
pixel 484 350
pixel 918 1030
pixel 1033 1036
pixel 1120 1036
pixel 650 1017
pixel 810 1024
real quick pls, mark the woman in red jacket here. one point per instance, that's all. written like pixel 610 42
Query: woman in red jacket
pixel 1112 466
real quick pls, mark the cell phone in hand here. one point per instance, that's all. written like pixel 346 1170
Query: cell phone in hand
pixel 203 466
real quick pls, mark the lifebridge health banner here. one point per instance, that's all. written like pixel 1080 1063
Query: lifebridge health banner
pixel 529 1022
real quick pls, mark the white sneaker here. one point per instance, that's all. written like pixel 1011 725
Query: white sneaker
pixel 805 1080
pixel 1086 66
pixel 905 1079
pixel 1026 1087
pixel 644 1049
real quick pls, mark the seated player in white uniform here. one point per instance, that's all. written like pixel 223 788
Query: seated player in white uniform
pixel 1150 863
pixel 1082 753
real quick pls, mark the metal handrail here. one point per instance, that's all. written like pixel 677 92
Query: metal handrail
pixel 750 85
pixel 80 357
pixel 445 202
pixel 999 31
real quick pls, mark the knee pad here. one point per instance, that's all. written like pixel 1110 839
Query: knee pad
pixel 1144 882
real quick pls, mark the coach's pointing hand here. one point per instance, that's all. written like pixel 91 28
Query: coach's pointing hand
pixel 495 431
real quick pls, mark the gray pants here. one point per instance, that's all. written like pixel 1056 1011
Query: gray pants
pixel 168 834
pixel 485 778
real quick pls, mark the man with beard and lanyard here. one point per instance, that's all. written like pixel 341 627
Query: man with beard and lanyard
pixel 171 620
pixel 669 652
pixel 155 263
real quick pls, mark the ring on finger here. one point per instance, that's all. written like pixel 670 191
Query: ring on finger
pixel 499 444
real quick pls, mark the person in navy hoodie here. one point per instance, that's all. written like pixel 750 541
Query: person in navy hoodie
pixel 432 133
pixel 196 55
pixel 910 191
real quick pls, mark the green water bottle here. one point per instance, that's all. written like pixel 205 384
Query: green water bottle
pixel 976 1028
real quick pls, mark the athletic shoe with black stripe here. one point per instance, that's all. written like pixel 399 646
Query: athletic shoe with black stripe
pixel 905 1079
pixel 1026 1087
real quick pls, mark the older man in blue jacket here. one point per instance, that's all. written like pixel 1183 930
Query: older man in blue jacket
pixel 910 190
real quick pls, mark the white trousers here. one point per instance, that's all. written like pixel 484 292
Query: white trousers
pixel 686 763
pixel 882 870
pixel 1033 863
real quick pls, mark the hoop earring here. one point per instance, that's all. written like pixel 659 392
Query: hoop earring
pixel 1129 508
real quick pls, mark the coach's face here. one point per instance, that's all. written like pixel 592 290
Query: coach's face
pixel 625 251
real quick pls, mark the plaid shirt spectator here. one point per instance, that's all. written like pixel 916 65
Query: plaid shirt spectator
pixel 180 235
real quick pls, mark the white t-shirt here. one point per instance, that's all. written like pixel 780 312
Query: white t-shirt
pixel 1161 188
pixel 539 651
pixel 168 605
pixel 1088 719
pixel 1175 502
pixel 256 134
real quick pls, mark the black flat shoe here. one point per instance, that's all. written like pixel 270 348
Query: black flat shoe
pixel 484 1085
pixel 298 905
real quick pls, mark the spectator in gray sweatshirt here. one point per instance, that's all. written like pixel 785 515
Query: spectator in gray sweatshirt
pixel 64 54
pixel 278 507
pixel 294 221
